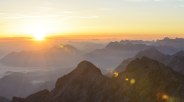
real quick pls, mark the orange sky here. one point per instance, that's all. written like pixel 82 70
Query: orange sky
pixel 101 37
pixel 128 18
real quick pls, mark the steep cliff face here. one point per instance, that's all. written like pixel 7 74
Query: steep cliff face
pixel 144 80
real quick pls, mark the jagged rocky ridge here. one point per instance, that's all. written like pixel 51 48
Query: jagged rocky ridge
pixel 144 80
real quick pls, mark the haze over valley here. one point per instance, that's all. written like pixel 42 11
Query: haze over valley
pixel 91 51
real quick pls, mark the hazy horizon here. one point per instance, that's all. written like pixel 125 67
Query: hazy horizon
pixel 93 37
pixel 91 50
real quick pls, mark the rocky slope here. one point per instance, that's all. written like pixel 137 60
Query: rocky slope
pixel 154 80
pixel 144 80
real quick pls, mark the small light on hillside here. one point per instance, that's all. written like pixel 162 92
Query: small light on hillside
pixel 62 46
pixel 132 81
pixel 165 97
pixel 126 79
pixel 116 74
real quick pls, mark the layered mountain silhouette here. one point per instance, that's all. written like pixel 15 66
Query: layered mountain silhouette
pixel 175 61
pixel 55 56
pixel 154 78
pixel 144 80
pixel 177 43
pixel 114 53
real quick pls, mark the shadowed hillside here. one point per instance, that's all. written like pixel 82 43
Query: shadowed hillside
pixel 175 61
pixel 144 80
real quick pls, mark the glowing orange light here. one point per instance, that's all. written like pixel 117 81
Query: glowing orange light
pixel 126 79
pixel 132 81
pixel 165 97
pixel 62 46
pixel 116 74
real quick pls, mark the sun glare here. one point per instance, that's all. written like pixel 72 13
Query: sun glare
pixel 39 36
pixel 39 29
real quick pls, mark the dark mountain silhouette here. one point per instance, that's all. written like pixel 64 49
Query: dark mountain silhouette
pixel 122 66
pixel 55 56
pixel 154 78
pixel 81 85
pixel 175 61
pixel 150 53
pixel 144 80
pixel 2 99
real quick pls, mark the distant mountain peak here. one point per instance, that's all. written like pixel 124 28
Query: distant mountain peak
pixel 113 45
pixel 86 67
pixel 85 72
pixel 143 63
pixel 152 53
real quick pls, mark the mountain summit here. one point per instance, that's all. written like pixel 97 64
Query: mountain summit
pixel 144 80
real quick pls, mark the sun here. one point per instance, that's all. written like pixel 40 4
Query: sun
pixel 39 37
pixel 39 29
pixel 39 34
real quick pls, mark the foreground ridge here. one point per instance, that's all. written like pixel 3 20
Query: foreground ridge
pixel 144 80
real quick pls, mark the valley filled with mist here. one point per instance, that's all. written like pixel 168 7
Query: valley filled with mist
pixel 126 70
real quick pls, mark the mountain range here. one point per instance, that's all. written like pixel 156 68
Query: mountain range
pixel 167 52
pixel 107 57
pixel 45 57
pixel 114 53
pixel 144 80
pixel 175 61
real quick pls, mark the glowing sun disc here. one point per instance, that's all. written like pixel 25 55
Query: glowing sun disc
pixel 39 36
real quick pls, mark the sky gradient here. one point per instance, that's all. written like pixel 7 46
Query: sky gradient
pixel 25 17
